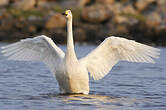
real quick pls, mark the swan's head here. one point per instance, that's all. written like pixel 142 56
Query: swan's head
pixel 68 14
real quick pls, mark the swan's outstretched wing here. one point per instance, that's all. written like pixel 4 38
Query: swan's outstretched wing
pixel 40 48
pixel 113 49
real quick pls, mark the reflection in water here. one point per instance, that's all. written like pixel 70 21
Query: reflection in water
pixel 88 99
pixel 95 99
pixel 98 101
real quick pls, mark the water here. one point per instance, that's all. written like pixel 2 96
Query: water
pixel 129 86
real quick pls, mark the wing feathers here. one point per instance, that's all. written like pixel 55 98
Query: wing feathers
pixel 113 49
pixel 40 48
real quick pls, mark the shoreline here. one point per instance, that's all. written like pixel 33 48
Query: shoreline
pixel 93 20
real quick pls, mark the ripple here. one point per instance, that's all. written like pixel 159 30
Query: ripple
pixel 151 68
pixel 129 86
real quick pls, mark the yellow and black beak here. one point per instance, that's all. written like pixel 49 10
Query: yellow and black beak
pixel 65 14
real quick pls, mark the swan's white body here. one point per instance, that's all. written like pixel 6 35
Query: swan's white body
pixel 71 73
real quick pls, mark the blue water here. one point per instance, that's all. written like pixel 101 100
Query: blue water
pixel 129 86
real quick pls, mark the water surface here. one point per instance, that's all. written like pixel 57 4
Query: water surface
pixel 129 86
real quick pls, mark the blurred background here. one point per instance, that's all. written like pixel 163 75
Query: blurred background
pixel 94 20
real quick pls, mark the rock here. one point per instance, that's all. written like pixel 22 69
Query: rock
pixel 116 8
pixel 161 10
pixel 105 1
pixel 128 9
pixel 43 4
pixel 96 13
pixel 120 25
pixel 4 2
pixel 153 20
pixel 142 4
pixel 144 20
pixel 25 4
pixel 161 2
pixel 46 4
pixel 83 3
pixel 56 21
pixel 120 19
pixel 125 20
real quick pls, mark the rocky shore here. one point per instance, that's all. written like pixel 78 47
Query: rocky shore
pixel 94 20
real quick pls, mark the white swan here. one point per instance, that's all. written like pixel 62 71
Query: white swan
pixel 71 73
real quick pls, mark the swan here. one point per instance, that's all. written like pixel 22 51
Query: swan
pixel 72 73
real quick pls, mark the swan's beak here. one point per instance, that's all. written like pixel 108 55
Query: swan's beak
pixel 64 14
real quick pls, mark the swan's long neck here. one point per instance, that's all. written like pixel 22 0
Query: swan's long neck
pixel 70 53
